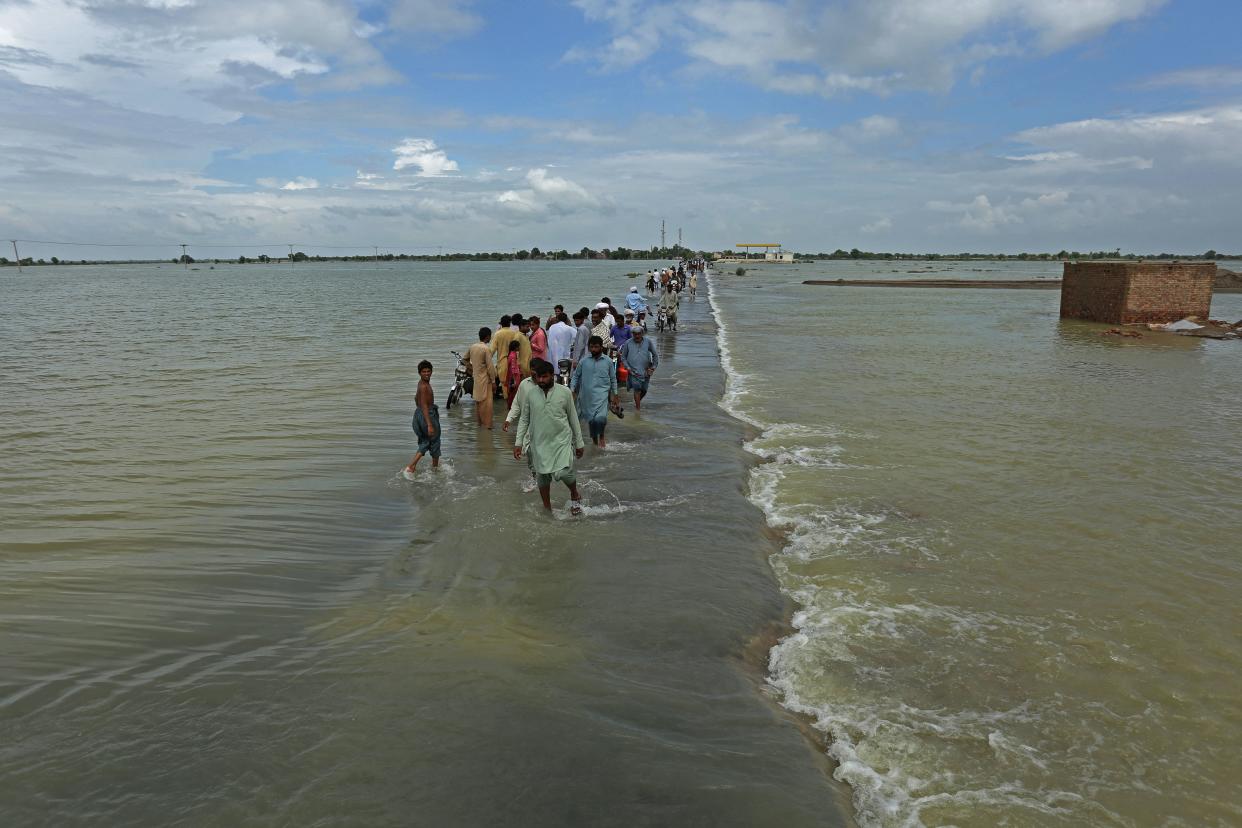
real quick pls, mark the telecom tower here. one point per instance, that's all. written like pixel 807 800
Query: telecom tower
pixel 661 235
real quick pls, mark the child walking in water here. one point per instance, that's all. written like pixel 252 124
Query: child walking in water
pixel 513 373
pixel 426 421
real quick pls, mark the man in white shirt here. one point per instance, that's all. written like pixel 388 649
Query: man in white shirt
pixel 560 342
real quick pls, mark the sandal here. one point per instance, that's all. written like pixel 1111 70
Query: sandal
pixel 575 508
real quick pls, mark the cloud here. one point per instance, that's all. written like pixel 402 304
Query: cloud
pixel 452 18
pixel 1057 199
pixel 299 183
pixel 871 46
pixel 779 132
pixel 425 155
pixel 1185 138
pixel 1071 161
pixel 558 188
pixel 880 225
pixel 639 30
pixel 977 214
pixel 17 56
pixel 111 62
pixel 545 195
pixel 871 129
pixel 191 51
pixel 1206 77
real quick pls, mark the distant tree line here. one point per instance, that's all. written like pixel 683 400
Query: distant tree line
pixel 659 253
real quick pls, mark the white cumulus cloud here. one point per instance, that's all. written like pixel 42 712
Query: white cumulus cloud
pixel 299 183
pixel 423 153
pixel 849 46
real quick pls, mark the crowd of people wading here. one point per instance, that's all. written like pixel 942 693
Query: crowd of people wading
pixel 556 372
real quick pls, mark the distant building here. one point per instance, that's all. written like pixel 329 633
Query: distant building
pixel 772 254
pixel 1126 292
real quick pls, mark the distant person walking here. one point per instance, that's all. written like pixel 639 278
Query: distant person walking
pixel 549 426
pixel 694 282
pixel 595 383
pixel 483 369
pixel 426 421
pixel 639 358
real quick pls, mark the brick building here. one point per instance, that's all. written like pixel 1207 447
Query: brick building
pixel 1123 292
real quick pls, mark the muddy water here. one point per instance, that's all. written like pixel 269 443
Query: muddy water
pixel 220 605
pixel 1013 543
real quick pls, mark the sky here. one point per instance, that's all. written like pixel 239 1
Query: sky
pixel 470 125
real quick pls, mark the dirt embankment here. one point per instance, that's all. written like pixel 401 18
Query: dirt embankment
pixel 1228 280
pixel 1011 284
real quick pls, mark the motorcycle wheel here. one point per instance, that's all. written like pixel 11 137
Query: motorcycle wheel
pixel 453 397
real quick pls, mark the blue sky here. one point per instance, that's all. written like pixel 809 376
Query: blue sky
pixel 909 125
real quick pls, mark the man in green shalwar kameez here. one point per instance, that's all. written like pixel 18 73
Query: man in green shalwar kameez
pixel 548 427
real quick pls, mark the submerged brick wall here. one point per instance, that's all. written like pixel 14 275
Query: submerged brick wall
pixel 1122 292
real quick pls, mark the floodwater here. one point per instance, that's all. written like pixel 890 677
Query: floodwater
pixel 1009 545
pixel 220 604
pixel 1014 544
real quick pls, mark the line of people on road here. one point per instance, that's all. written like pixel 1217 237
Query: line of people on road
pixel 554 377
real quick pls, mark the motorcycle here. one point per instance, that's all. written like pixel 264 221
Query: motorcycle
pixel 563 373
pixel 463 382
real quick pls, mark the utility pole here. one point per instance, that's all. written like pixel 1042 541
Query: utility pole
pixel 290 255
pixel 184 260
pixel 377 254
pixel 17 255
pixel 439 252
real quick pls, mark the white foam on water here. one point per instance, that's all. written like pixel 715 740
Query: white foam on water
pixel 445 481
pixel 840 666
pixel 599 502
pixel 735 381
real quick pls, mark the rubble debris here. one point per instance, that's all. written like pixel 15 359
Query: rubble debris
pixel 1194 326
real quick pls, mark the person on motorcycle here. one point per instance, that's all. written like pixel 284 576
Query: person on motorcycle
pixel 668 303
pixel 634 301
